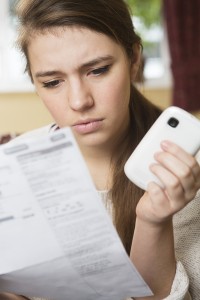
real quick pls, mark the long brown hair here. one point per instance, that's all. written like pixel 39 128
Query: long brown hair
pixel 112 18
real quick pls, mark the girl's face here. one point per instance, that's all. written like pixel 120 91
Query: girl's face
pixel 84 79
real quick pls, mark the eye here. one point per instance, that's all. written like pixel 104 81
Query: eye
pixel 101 70
pixel 51 84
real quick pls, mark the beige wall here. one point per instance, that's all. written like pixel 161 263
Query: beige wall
pixel 22 112
pixel 25 111
pixel 161 97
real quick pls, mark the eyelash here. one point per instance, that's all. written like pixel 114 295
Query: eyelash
pixel 51 84
pixel 96 72
pixel 100 70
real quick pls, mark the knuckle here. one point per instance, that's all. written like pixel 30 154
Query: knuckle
pixel 193 163
pixel 153 189
pixel 186 173
pixel 175 184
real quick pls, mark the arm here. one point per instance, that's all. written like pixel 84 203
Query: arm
pixel 153 254
pixel 153 245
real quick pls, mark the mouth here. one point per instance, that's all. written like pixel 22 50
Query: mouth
pixel 88 126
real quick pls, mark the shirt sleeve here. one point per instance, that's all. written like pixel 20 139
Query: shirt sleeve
pixel 180 286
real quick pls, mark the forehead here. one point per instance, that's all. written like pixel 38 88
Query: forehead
pixel 70 45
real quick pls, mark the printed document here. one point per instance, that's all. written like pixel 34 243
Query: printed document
pixel 57 240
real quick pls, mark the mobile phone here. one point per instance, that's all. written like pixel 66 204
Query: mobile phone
pixel 175 125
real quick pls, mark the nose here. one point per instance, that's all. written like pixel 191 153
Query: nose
pixel 79 96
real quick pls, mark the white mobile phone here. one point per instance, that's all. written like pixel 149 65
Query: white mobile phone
pixel 174 124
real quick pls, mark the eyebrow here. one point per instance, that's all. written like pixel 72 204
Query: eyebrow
pixel 97 61
pixel 48 73
pixel 85 65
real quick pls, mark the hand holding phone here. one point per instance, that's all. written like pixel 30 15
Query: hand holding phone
pixel 175 125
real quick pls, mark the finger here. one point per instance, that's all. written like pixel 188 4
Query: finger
pixel 159 201
pixel 190 164
pixel 182 155
pixel 181 171
pixel 173 187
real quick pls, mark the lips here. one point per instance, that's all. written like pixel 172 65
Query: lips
pixel 88 126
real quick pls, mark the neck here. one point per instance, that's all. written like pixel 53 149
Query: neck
pixel 100 159
pixel 99 164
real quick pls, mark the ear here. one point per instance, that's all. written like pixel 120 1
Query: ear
pixel 136 61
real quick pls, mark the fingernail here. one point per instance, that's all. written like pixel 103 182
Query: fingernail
pixel 156 154
pixel 166 144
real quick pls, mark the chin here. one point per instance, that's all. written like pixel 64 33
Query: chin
pixel 91 140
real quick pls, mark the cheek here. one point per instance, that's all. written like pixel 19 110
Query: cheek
pixel 56 109
pixel 51 99
pixel 49 103
pixel 121 91
pixel 115 91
